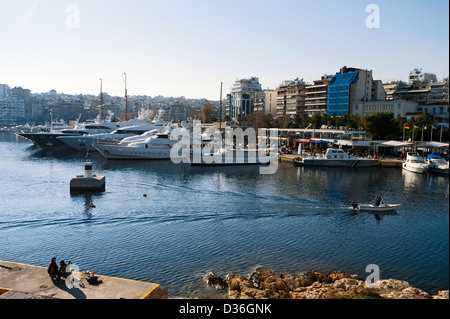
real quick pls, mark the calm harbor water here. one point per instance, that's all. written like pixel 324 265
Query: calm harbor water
pixel 222 219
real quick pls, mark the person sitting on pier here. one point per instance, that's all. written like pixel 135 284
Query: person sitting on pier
pixel 53 270
pixel 63 269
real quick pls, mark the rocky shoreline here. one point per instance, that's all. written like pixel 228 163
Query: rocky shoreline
pixel 265 284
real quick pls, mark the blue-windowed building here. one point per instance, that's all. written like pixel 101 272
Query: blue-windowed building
pixel 340 93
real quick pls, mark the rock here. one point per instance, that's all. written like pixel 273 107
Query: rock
pixel 274 282
pixel 443 293
pixel 215 281
pixel 392 284
pixel 264 284
pixel 237 282
pixel 346 283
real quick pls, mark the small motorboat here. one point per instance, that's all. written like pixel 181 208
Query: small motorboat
pixel 382 207
pixel 437 164
pixel 415 163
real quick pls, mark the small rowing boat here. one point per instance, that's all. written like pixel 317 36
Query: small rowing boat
pixel 370 207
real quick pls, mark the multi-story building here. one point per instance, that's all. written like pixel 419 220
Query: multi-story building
pixel 439 111
pixel 438 91
pixel 243 95
pixel 266 101
pixel 316 96
pixel 12 110
pixel 270 102
pixel 417 92
pixel 4 90
pixel 349 86
pixel 397 107
pixel 417 75
pixel 260 101
pixel 291 97
pixel 429 97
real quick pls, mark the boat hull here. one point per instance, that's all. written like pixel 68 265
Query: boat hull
pixel 45 140
pixel 372 208
pixel 78 143
pixel 443 171
pixel 125 153
pixel 353 162
pixel 415 169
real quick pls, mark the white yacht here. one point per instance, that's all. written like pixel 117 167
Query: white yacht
pixel 157 146
pixel 415 163
pixel 88 142
pixel 337 157
pixel 437 164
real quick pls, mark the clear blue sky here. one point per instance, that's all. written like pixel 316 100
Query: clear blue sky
pixel 186 48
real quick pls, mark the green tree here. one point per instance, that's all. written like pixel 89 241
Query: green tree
pixel 381 126
pixel 207 113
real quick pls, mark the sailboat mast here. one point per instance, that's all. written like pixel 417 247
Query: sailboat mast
pixel 101 100
pixel 126 99
pixel 220 110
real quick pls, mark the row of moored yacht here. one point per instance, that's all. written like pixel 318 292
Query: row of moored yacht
pixel 417 164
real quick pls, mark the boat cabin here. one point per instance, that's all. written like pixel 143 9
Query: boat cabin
pixel 336 154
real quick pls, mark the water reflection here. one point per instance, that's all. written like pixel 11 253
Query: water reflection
pixel 88 198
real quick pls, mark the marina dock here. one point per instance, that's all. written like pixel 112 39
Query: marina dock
pixel 21 281
pixel 381 163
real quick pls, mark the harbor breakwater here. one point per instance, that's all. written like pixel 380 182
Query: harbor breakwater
pixel 265 284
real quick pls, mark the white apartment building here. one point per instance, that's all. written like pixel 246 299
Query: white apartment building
pixel 243 96
pixel 417 75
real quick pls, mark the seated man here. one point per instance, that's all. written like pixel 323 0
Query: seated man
pixel 53 270
pixel 63 269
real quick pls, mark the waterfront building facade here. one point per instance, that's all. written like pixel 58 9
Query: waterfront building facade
pixel 439 111
pixel 270 103
pixel 349 86
pixel 316 96
pixel 291 97
pixel 243 96
pixel 397 107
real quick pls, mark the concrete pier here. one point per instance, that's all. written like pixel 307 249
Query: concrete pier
pixel 83 183
pixel 21 281
pixel 88 181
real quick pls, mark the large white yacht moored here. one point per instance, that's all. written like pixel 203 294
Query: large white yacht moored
pixel 157 146
pixel 415 163
pixel 88 142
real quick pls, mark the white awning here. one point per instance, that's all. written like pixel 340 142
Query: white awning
pixel 366 143
pixel 395 143
pixel 436 144
pixel 344 142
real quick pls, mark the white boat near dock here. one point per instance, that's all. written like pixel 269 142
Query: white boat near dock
pixel 437 164
pixel 415 163
pixel 337 158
